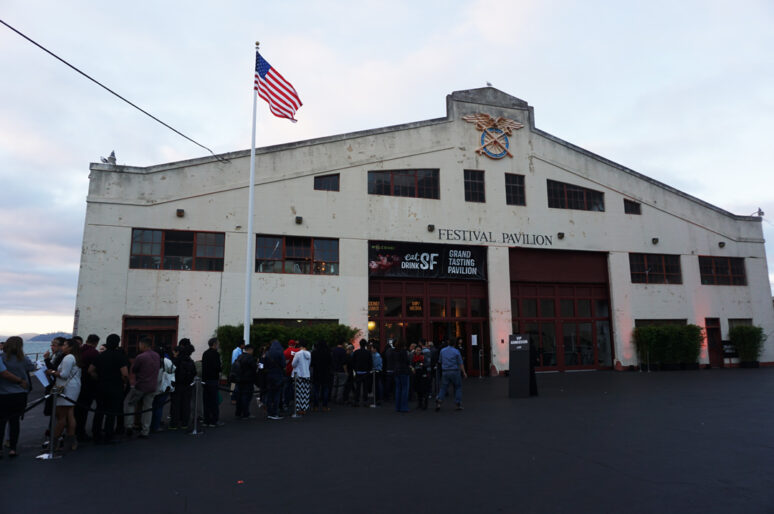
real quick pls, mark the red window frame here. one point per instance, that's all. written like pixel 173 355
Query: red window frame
pixel 296 255
pixel 205 256
pixel 722 271
pixel 655 268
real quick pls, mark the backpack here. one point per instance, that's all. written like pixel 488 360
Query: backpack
pixel 166 381
pixel 236 371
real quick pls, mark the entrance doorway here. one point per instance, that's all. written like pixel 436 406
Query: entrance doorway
pixel 434 311
pixel 714 342
pixel 560 300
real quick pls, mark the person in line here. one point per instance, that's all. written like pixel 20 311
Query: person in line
pixel 321 376
pixel 235 353
pixel 185 372
pixel 339 364
pixel 88 388
pixel 260 380
pixel 362 364
pixel 377 370
pixel 14 386
pixel 349 385
pixel 247 368
pixel 389 370
pixel 402 371
pixel 421 376
pixel 68 379
pixel 146 380
pixel 452 369
pixel 287 394
pixel 166 385
pixel 275 373
pixel 211 367
pixel 51 358
pixel 110 370
pixel 301 363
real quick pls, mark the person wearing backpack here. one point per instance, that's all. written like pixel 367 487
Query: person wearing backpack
pixel 244 376
pixel 185 372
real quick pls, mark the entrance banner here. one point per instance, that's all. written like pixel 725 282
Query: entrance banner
pixel 423 260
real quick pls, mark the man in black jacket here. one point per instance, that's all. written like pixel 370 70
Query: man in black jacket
pixel 362 363
pixel 211 367
pixel 245 380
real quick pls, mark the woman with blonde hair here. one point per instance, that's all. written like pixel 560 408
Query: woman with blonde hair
pixel 13 393
pixel 68 379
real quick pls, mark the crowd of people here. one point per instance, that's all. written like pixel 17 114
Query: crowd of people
pixel 295 378
pixel 128 397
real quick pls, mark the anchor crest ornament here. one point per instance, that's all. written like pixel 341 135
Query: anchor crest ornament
pixel 494 134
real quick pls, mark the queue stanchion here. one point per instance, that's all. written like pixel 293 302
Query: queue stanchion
pixel 51 443
pixel 295 397
pixel 197 384
pixel 373 389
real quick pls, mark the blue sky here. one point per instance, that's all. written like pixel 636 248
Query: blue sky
pixel 680 91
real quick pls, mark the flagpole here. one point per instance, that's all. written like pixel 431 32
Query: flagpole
pixel 250 258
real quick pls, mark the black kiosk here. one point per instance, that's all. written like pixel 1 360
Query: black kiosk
pixel 521 374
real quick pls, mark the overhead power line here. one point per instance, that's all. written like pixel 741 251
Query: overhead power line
pixel 103 86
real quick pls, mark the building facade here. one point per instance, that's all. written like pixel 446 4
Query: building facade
pixel 476 225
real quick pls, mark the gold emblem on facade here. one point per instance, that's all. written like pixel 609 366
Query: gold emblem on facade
pixel 494 134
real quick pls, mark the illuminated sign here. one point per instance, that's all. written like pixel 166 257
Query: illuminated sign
pixel 423 260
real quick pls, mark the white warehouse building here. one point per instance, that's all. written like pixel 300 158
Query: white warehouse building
pixel 475 225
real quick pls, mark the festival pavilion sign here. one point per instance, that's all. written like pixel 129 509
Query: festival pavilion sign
pixel 489 237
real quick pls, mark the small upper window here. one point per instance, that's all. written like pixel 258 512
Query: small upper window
pixel 514 189
pixel 411 183
pixel 474 186
pixel 632 207
pixel 569 196
pixel 327 183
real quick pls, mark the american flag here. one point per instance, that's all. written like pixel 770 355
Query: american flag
pixel 279 93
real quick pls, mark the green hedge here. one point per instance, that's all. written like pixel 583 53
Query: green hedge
pixel 669 344
pixel 748 342
pixel 229 336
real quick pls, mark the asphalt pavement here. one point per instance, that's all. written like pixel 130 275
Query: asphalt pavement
pixel 683 441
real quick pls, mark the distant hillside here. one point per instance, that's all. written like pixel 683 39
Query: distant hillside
pixel 26 337
pixel 50 336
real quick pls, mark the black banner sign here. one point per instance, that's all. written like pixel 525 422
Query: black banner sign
pixel 422 260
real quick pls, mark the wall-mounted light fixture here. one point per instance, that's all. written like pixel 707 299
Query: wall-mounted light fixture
pixel 180 213
pixel 722 244
pixel 560 235
pixel 299 220
pixel 654 240
pixel 430 228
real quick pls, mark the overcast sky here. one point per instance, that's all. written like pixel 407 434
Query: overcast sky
pixel 680 91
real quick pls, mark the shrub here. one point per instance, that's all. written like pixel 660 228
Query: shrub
pixel 668 344
pixel 748 342
pixel 230 336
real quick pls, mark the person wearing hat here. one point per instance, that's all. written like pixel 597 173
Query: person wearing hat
pixel 110 370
